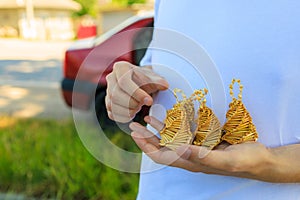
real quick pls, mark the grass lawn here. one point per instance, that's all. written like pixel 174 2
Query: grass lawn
pixel 46 159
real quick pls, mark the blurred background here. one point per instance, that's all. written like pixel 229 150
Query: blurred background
pixel 41 155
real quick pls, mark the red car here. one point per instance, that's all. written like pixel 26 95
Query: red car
pixel 88 61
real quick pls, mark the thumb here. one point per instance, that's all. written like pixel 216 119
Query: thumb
pixel 149 80
pixel 159 82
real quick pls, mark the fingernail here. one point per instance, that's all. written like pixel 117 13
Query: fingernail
pixel 164 85
pixel 203 152
pixel 147 101
pixel 184 152
pixel 147 119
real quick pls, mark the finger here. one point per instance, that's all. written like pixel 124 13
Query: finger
pixel 143 132
pixel 158 155
pixel 118 118
pixel 184 151
pixel 147 67
pixel 119 97
pixel 124 80
pixel 107 103
pixel 111 80
pixel 222 146
pixel 144 144
pixel 192 152
pixel 123 111
pixel 148 80
pixel 155 123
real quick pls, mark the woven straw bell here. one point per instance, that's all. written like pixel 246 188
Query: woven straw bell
pixel 209 131
pixel 239 126
pixel 177 129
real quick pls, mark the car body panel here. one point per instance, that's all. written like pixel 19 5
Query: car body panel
pixel 87 62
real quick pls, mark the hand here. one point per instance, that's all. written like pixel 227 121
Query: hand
pixel 129 87
pixel 248 160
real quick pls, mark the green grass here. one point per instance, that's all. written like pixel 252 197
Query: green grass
pixel 46 159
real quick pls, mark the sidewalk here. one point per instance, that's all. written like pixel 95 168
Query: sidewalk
pixel 30 75
pixel 17 49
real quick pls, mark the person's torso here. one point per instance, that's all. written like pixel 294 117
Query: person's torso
pixel 255 41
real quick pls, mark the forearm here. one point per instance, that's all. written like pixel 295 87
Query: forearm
pixel 275 165
pixel 286 165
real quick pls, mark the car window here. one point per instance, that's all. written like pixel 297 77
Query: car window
pixel 141 40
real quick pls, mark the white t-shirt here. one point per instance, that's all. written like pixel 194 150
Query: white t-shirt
pixel 200 44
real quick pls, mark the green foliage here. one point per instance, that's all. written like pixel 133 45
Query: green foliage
pixel 46 159
pixel 128 2
pixel 88 7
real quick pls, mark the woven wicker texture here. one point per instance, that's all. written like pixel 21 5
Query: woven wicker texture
pixel 208 132
pixel 239 126
pixel 177 130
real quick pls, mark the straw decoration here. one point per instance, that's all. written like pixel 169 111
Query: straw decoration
pixel 208 132
pixel 177 130
pixel 239 126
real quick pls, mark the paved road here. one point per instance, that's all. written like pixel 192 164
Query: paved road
pixel 30 75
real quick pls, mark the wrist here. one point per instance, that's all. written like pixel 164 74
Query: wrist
pixel 274 165
pixel 285 165
pixel 277 167
pixel 268 164
pixel 265 165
